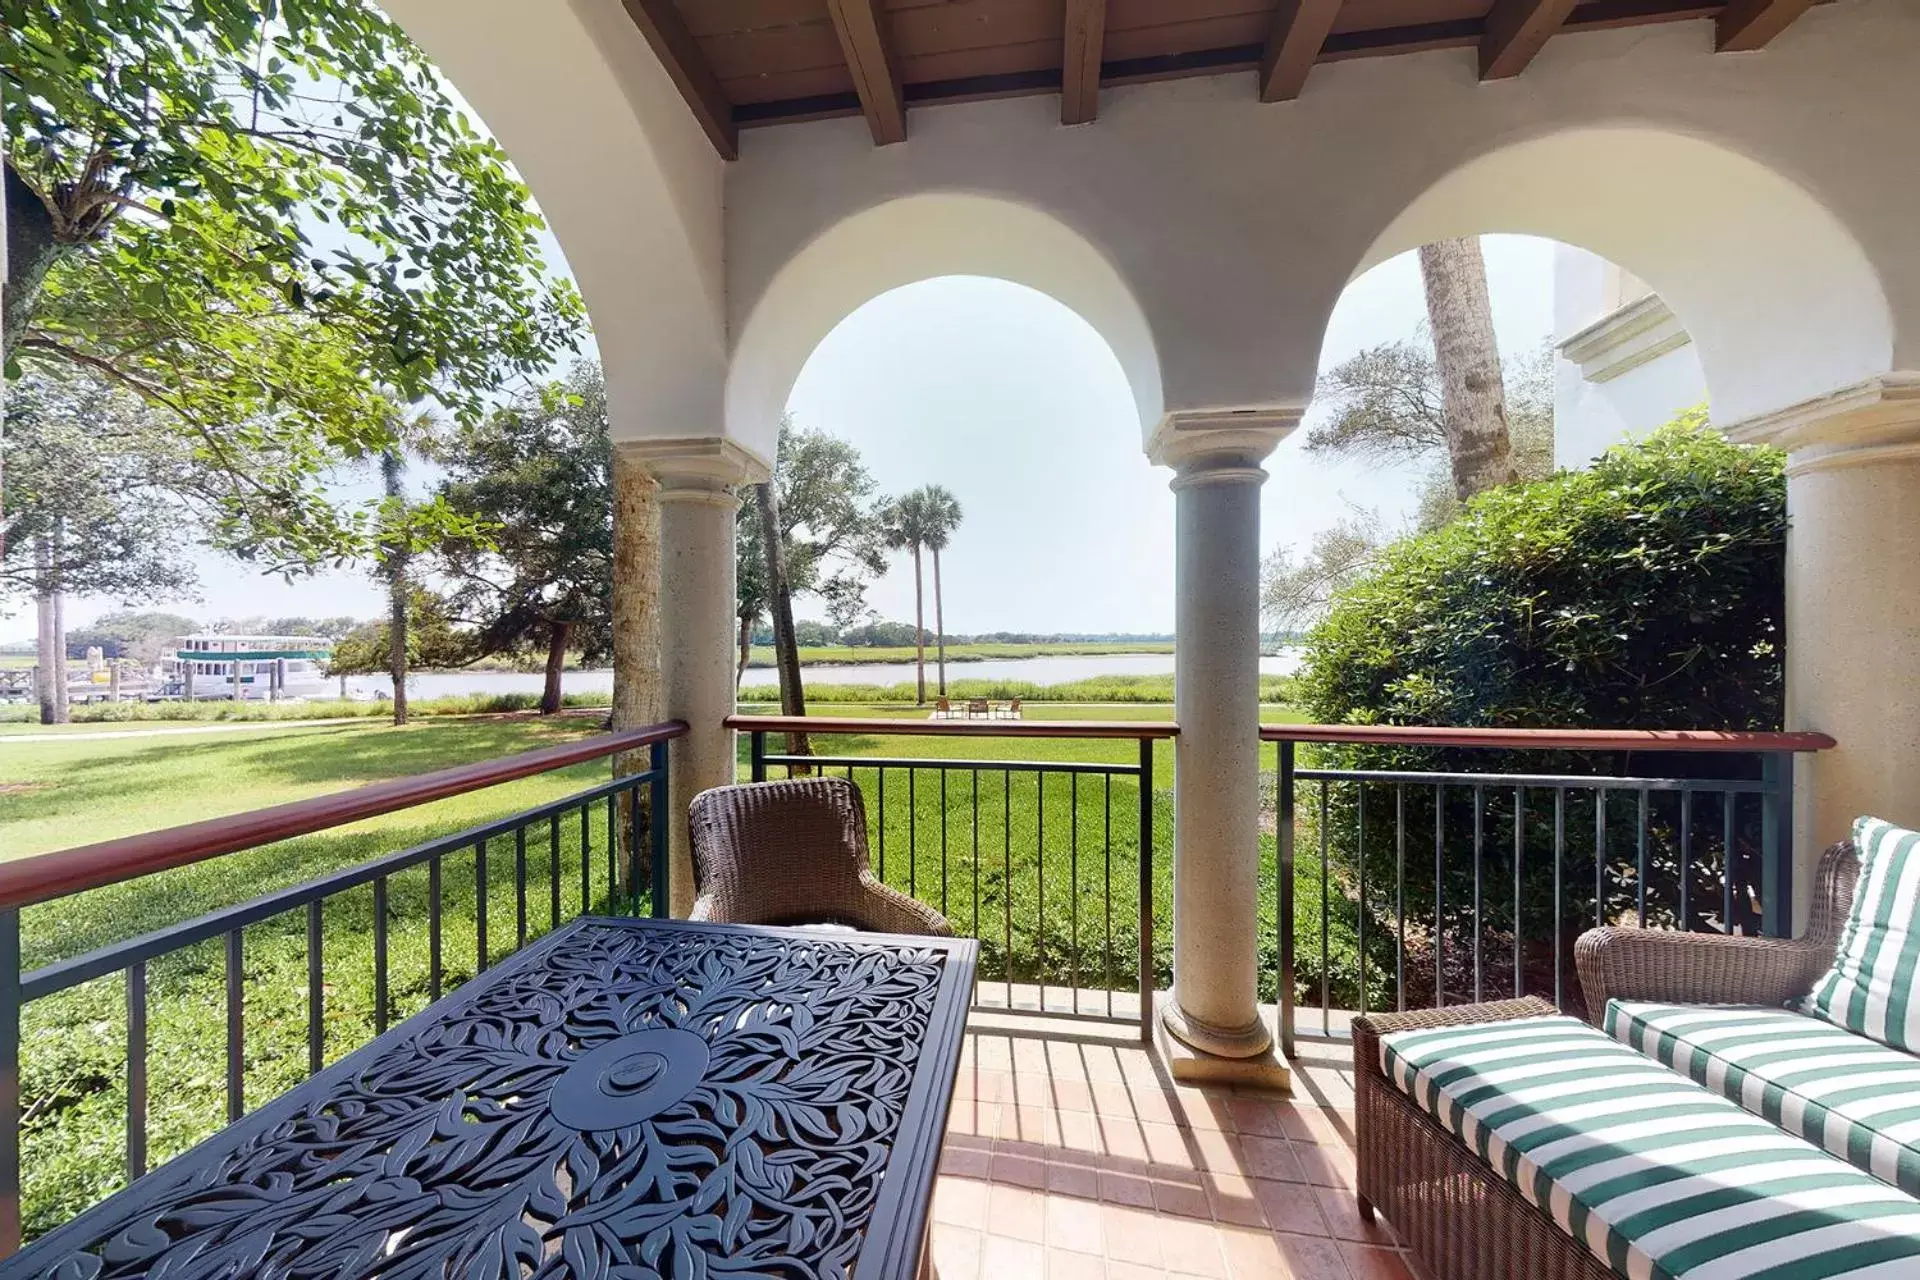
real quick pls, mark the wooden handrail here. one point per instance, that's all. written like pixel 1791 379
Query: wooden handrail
pixel 53 875
pixel 1132 729
pixel 1397 735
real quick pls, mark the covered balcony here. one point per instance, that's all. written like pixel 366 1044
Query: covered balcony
pixel 1176 922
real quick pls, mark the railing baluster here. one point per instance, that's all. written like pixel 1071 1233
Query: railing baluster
pixel 943 842
pixel 1439 897
pixel 1283 888
pixel 1640 837
pixel 1146 889
pixel 1559 907
pixel 434 972
pixel 1479 891
pixel 1073 881
pixel 657 832
pixel 1040 882
pixel 1326 909
pixel 1006 875
pixel 633 843
pixel 880 789
pixel 1400 895
pixel 613 856
pixel 976 853
pixel 136 1069
pixel 520 886
pixel 1519 848
pixel 913 833
pixel 316 991
pixel 236 1029
pixel 586 858
pixel 1776 844
pixel 1686 859
pixel 1600 797
pixel 1106 880
pixel 380 1000
pixel 553 870
pixel 1726 864
pixel 1360 862
pixel 480 895
pixel 10 1006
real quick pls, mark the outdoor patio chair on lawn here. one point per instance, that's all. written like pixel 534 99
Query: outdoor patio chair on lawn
pixel 794 853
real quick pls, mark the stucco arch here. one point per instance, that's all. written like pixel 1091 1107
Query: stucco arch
pixel 624 177
pixel 1779 297
pixel 915 238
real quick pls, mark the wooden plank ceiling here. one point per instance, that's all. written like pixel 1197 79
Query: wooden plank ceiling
pixel 746 63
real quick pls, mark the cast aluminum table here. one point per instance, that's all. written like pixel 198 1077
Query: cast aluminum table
pixel 622 1100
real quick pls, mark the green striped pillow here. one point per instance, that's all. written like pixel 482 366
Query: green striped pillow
pixel 1870 988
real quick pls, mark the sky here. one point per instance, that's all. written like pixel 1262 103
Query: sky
pixel 1014 403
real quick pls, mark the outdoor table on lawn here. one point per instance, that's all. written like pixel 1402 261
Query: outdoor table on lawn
pixel 621 1099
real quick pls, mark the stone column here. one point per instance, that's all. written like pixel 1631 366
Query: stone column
pixel 1215 1030
pixel 697 479
pixel 1853 606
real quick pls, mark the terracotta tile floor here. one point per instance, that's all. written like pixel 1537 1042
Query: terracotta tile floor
pixel 1072 1156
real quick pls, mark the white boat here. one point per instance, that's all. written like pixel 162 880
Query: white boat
pixel 249 668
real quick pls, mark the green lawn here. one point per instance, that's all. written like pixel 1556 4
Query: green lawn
pixel 1037 894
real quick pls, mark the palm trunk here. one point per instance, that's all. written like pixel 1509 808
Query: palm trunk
pixel 1471 394
pixel 50 670
pixel 919 633
pixel 746 651
pixel 62 709
pixel 396 570
pixel 939 623
pixel 786 646
pixel 557 633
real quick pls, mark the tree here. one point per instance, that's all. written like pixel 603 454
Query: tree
pixel 1295 595
pixel 942 518
pixel 907 527
pixel 270 220
pixel 536 478
pixel 394 552
pixel 830 531
pixel 95 482
pixel 435 638
pixel 140 636
pixel 1455 275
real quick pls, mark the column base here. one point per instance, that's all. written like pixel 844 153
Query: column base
pixel 1255 1064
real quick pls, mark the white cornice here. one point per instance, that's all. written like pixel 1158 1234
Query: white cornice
pixel 697 461
pixel 1625 338
pixel 1874 420
pixel 1189 438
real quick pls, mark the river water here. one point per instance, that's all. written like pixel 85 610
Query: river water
pixel 1038 670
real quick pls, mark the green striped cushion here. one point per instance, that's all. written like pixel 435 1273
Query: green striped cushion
pixel 1870 988
pixel 1858 1099
pixel 1659 1178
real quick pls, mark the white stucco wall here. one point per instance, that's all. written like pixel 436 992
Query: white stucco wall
pixel 1236 224
pixel 1632 379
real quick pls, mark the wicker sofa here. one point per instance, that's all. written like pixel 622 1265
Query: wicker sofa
pixel 1461 1217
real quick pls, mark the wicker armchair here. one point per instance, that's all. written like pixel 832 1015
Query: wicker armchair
pixel 1707 968
pixel 794 852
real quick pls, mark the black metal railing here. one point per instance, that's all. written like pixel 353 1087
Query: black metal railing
pixel 1446 873
pixel 572 856
pixel 1025 855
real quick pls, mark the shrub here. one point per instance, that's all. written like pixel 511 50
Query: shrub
pixel 1647 592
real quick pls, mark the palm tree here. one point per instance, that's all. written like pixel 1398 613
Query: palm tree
pixel 942 517
pixel 906 525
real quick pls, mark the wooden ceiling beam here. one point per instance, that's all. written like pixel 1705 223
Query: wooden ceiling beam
pixel 1750 24
pixel 1080 68
pixel 674 45
pixel 1299 29
pixel 1517 30
pixel 861 26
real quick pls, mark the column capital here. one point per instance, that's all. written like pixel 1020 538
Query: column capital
pixel 1875 420
pixel 1193 441
pixel 696 464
